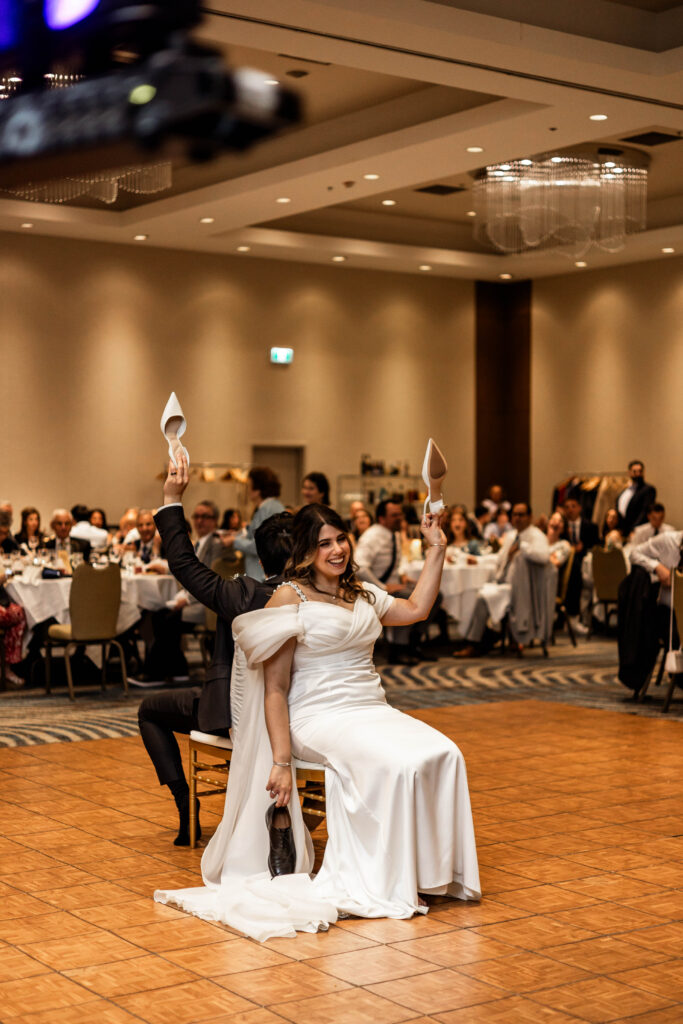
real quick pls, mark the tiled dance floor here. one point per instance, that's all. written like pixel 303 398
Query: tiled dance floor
pixel 580 829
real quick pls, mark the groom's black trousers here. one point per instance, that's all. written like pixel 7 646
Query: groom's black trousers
pixel 160 716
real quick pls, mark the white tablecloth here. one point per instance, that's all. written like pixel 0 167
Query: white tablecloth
pixel 460 586
pixel 44 599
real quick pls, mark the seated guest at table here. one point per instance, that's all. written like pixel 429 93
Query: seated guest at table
pixel 13 622
pixel 635 500
pixel 359 524
pixel 264 492
pixel 495 500
pixel 206 708
pixel 127 531
pixel 315 489
pixel 498 527
pixel 558 544
pixel 521 562
pixel 610 526
pixel 480 520
pixel 582 534
pixel 148 547
pixel 30 535
pixel 83 529
pixel 653 527
pixel 8 545
pixel 459 536
pixel 208 548
pixel 232 520
pixel 61 524
pixel 98 518
pixel 6 506
pixel 378 555
pixel 661 556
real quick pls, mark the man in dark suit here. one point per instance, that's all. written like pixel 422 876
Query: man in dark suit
pixel 635 500
pixel 61 524
pixel 582 534
pixel 208 707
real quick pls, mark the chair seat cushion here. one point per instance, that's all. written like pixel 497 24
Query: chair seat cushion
pixel 216 741
pixel 308 766
pixel 60 632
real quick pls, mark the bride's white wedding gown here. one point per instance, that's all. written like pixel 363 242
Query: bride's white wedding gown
pixel 398 809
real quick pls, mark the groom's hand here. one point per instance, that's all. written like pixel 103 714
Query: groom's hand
pixel 176 480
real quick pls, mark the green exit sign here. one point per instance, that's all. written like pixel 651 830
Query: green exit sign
pixel 281 355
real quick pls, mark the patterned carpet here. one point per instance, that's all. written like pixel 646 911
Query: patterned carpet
pixel 583 676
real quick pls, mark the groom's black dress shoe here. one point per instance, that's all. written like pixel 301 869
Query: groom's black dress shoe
pixel 282 856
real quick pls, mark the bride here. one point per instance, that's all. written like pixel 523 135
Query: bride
pixel 304 685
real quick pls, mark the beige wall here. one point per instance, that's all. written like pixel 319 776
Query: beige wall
pixel 96 336
pixel 607 377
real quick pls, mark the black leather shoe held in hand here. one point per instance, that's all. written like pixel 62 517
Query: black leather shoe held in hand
pixel 282 856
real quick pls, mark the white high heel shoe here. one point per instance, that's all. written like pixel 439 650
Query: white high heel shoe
pixel 173 426
pixel 434 470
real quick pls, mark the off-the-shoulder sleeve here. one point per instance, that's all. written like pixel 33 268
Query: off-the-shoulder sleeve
pixel 263 632
pixel 383 601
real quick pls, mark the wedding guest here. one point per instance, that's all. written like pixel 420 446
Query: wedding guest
pixel 315 489
pixel 232 520
pixel 360 523
pixel 583 535
pixel 661 556
pixel 83 529
pixel 499 527
pixel 653 527
pixel 30 535
pixel 378 555
pixel 459 536
pixel 98 518
pixel 127 531
pixel 148 547
pixel 264 493
pixel 610 525
pixel 13 622
pixel 6 506
pixel 558 544
pixel 634 501
pixel 496 500
pixel 62 541
pixel 206 708
pixel 208 547
pixel 480 520
pixel 7 541
pixel 523 551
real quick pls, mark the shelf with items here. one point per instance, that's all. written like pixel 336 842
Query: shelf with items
pixel 372 488
pixel 233 491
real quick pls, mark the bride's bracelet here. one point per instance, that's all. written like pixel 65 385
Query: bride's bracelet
pixel 433 544
pixel 282 764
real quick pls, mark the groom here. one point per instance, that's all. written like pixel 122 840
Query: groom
pixel 206 708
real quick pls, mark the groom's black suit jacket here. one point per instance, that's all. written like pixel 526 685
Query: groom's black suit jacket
pixel 228 598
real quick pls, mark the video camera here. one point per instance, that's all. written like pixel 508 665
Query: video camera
pixel 143 89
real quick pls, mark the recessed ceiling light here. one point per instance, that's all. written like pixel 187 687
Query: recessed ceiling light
pixel 27 226
pixel 556 159
pixel 141 238
pixel 475 149
pixel 388 202
pixel 668 249
pixel 425 266
pixel 371 177
pixel 580 263
pixel 505 167
pixel 609 163
pixel 243 248
pixel 526 163
pixel 505 277
pixel 270 81
pixel 598 117
pixel 206 220
pixel 471 213
pixel 283 199
pixel 339 259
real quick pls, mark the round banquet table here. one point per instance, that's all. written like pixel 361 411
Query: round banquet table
pixel 44 599
pixel 460 585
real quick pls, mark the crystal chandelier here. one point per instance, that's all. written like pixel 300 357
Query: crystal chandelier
pixel 145 179
pixel 568 201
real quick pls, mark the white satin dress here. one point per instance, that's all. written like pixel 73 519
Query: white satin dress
pixel 399 819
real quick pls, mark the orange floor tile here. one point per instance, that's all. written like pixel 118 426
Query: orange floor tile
pixel 580 833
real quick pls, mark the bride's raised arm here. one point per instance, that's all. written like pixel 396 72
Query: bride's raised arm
pixel 415 608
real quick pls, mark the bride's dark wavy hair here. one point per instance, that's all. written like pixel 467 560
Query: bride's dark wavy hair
pixel 305 533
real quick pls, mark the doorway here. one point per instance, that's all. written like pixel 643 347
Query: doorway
pixel 287 461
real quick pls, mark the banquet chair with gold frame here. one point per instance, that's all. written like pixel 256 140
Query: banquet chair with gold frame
pixel 609 569
pixel 93 609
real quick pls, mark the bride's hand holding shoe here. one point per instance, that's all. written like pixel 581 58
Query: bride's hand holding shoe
pixel 280 785
pixel 431 530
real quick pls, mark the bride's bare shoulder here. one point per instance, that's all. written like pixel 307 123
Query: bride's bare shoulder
pixel 284 594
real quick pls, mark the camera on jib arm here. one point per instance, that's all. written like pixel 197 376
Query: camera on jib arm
pixel 139 87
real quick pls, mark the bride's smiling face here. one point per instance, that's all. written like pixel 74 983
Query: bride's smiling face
pixel 333 553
